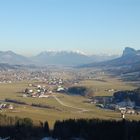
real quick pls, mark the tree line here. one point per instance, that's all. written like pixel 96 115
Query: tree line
pixel 128 95
pixel 91 129
pixel 22 128
pixel 84 129
pixel 80 90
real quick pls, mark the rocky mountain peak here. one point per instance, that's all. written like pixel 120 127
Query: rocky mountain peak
pixel 129 52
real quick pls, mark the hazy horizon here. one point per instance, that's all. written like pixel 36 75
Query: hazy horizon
pixel 59 51
pixel 89 26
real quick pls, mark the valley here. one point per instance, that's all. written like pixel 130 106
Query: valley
pixel 62 105
pixel 69 70
pixel 43 96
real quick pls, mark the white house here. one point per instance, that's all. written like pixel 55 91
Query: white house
pixel 43 96
pixel 10 107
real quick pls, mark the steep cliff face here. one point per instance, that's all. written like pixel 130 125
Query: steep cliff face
pixel 129 52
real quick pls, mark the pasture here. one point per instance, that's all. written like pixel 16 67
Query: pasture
pixel 73 105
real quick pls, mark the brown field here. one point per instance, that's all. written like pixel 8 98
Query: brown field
pixel 13 90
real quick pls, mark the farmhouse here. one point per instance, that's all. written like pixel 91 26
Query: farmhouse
pixel 6 106
pixel 60 89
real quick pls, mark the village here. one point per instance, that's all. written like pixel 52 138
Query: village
pixel 47 75
pixel 44 91
pixel 4 106
pixel 110 103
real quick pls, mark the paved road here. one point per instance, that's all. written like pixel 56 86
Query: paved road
pixel 63 104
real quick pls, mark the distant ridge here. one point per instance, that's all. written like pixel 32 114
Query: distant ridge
pixel 130 57
pixel 67 58
pixel 63 58
pixel 12 58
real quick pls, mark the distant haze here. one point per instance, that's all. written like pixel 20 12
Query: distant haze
pixel 63 58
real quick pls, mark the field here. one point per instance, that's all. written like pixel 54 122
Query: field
pixel 65 106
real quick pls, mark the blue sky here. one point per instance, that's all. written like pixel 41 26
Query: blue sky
pixel 92 26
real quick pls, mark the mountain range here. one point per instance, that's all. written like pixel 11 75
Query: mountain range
pixel 127 66
pixel 129 58
pixel 52 58
pixel 10 57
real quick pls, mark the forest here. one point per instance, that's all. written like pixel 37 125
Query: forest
pixel 84 129
pixel 129 95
